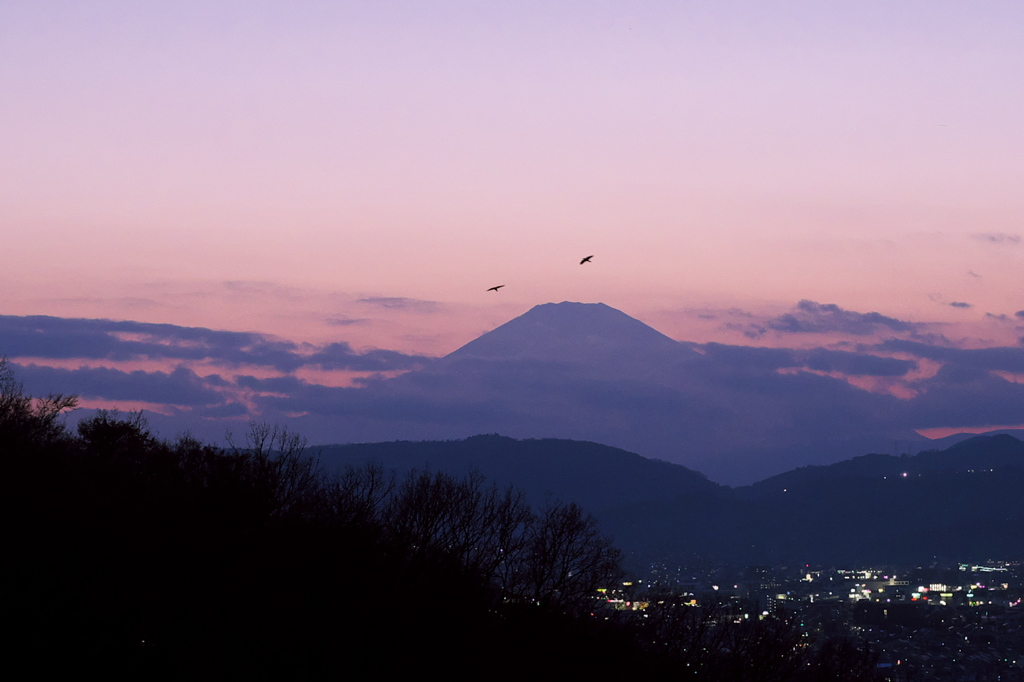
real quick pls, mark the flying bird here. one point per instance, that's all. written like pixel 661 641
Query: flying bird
pixel 496 288
pixel 586 260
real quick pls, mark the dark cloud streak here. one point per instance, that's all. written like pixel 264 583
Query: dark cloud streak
pixel 997 237
pixel 1005 358
pixel 413 305
pixel 345 321
pixel 752 358
pixel 811 317
pixel 179 387
pixel 67 338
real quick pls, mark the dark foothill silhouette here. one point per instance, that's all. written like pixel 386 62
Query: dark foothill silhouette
pixel 466 576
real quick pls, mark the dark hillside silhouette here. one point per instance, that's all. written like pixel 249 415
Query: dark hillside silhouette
pixel 958 502
pixel 139 558
pixel 977 454
pixel 179 560
pixel 592 475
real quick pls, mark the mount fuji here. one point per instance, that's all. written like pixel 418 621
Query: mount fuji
pixel 587 371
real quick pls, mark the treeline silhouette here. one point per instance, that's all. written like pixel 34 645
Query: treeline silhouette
pixel 132 556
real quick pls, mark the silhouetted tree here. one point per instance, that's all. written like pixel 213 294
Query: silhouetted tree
pixel 480 525
pixel 24 419
pixel 152 559
pixel 567 558
pixel 358 496
pixel 279 467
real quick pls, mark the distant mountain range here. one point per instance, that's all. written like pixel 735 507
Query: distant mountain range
pixel 962 503
pixel 587 371
pixel 580 371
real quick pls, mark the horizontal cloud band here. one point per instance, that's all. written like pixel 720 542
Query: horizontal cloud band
pixel 41 336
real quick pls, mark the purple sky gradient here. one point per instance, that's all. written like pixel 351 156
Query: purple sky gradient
pixel 362 172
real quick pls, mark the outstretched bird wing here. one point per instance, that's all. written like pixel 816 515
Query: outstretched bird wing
pixel 586 260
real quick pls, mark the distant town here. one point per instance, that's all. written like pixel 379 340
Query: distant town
pixel 947 621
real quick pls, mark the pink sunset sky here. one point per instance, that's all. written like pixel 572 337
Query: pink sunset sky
pixel 363 172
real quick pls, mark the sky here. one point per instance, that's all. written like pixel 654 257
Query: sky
pixel 360 174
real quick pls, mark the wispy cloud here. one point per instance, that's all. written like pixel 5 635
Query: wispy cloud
pixel 414 305
pixel 749 357
pixel 345 321
pixel 966 395
pixel 252 288
pixel 959 304
pixel 749 330
pixel 178 387
pixel 752 358
pixel 823 318
pixel 997 237
pixel 341 356
pixel 1003 358
pixel 857 364
pixel 130 302
pixel 117 341
pixel 58 337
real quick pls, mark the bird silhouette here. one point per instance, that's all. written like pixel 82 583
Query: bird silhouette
pixel 586 260
pixel 496 288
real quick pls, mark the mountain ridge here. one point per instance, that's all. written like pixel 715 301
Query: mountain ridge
pixel 589 372
pixel 950 503
pixel 585 472
pixel 586 371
